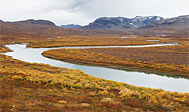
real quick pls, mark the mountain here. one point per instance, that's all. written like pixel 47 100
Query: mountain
pixel 1 20
pixel 28 28
pixel 122 23
pixel 112 26
pixel 118 23
pixel 74 26
pixel 170 27
pixel 144 26
pixel 43 29
pixel 36 22
pixel 176 21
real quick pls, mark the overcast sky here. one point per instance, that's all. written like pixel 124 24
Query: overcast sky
pixel 85 11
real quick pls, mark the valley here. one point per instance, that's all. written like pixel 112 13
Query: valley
pixel 47 68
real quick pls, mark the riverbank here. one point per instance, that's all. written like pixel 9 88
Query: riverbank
pixel 117 67
pixel 94 41
pixel 43 87
pixel 87 56
pixel 139 79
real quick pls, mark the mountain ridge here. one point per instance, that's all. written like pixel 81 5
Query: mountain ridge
pixel 33 22
pixel 142 26
pixel 75 26
pixel 41 22
pixel 122 23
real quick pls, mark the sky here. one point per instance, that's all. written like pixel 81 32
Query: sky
pixel 85 11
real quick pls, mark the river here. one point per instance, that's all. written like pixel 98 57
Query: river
pixel 140 79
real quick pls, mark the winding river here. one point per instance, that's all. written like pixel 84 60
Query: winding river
pixel 141 79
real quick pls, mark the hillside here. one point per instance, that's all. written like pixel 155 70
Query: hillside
pixel 122 23
pixel 137 22
pixel 71 26
pixel 36 22
pixel 145 26
pixel 40 29
pixel 104 26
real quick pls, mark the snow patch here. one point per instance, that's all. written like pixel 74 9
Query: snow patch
pixel 158 18
pixel 131 23
pixel 150 17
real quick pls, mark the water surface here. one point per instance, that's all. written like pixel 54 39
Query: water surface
pixel 134 78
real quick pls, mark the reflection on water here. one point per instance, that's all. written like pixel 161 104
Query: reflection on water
pixel 134 78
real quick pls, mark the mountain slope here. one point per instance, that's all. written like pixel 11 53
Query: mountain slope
pixel 39 29
pixel 176 21
pixel 75 26
pixel 122 23
pixel 117 23
pixel 104 26
pixel 36 22
pixel 145 26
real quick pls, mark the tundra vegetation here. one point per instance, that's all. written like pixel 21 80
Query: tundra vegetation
pixel 93 41
pixel 41 87
pixel 167 59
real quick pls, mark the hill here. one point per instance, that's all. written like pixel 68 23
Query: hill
pixel 122 22
pixel 137 22
pixel 36 22
pixel 104 26
pixel 75 26
pixel 145 26
pixel 40 29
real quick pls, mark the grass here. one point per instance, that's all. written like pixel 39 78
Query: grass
pixel 153 58
pixel 93 41
pixel 40 87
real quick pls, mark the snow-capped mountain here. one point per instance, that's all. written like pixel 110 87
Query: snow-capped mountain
pixel 122 23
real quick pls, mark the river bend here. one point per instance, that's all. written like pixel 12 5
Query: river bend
pixel 141 79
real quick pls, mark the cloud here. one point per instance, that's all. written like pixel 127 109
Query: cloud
pixel 85 11
pixel 131 8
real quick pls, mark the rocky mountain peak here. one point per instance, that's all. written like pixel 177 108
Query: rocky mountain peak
pixel 122 22
pixel 117 23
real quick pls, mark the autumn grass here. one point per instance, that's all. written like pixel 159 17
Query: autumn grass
pixel 170 59
pixel 32 87
pixel 153 59
pixel 93 41
pixel 40 87
pixel 3 49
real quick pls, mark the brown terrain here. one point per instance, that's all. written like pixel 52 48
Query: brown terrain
pixel 35 87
